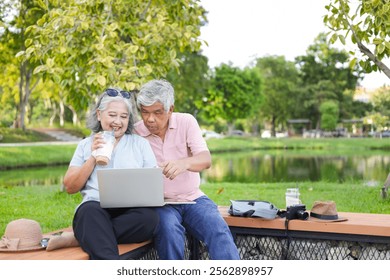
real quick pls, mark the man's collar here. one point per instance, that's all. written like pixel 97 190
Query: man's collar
pixel 141 129
pixel 172 121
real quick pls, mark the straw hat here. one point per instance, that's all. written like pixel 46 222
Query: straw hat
pixel 325 211
pixel 21 235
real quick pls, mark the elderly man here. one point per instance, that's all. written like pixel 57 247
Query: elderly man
pixel 182 153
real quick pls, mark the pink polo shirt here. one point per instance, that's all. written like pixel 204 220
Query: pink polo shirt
pixel 182 139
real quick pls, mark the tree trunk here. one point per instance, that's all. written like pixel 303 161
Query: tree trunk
pixel 273 132
pixel 20 114
pixel 255 127
pixel 374 59
pixel 62 113
pixel 230 128
pixel 75 118
pixel 24 94
pixel 53 116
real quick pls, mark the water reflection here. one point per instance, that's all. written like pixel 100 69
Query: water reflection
pixel 43 176
pixel 252 167
pixel 293 166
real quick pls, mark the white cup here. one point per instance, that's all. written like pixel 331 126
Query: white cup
pixel 103 154
pixel 292 197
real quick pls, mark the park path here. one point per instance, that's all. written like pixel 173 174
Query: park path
pixel 62 138
pixel 59 134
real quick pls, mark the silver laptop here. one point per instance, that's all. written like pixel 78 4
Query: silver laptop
pixel 135 187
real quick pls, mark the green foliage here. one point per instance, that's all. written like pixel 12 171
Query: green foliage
pixel 280 84
pixel 81 47
pixel 17 81
pixel 378 121
pixel 322 62
pixel 90 45
pixel 366 24
pixel 7 112
pixel 381 101
pixel 357 109
pixel 191 82
pixel 329 115
pixel 233 94
pixel 325 75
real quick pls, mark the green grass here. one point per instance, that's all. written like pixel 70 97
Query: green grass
pixel 54 209
pixel 242 143
pixel 29 156
pixel 14 135
pixel 349 197
pixel 51 207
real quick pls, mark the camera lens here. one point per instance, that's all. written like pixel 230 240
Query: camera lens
pixel 302 215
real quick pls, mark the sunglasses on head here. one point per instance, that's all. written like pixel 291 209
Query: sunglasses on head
pixel 114 92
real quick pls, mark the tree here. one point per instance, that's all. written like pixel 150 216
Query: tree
pixel 367 26
pixel 381 101
pixel 191 81
pixel 326 75
pixel 280 81
pixel 234 94
pixel 376 120
pixel 329 115
pixel 15 18
pixel 86 46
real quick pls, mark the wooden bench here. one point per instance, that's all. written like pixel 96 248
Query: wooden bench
pixel 359 226
pixel 362 237
pixel 73 253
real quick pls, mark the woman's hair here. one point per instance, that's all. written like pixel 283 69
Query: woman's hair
pixel 156 91
pixel 101 105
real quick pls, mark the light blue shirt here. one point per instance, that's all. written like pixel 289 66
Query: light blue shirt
pixel 132 151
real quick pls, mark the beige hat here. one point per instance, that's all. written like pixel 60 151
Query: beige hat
pixel 21 235
pixel 325 211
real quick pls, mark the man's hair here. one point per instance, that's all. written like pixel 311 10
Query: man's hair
pixel 156 91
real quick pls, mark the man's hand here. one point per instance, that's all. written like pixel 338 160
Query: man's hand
pixel 195 163
pixel 171 169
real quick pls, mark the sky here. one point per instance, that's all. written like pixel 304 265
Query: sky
pixel 241 30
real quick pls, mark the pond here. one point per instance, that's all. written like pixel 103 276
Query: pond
pixel 253 167
pixel 298 166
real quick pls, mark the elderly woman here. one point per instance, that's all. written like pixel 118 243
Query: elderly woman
pixel 99 230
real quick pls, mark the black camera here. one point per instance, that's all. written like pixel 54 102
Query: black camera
pixel 297 211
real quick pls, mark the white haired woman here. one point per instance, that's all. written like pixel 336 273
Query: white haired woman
pixel 100 230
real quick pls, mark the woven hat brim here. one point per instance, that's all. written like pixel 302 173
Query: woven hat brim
pixel 340 219
pixel 35 248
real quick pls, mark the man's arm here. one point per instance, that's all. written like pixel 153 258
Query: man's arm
pixel 195 163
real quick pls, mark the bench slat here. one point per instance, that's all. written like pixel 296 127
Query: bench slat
pixel 357 223
pixel 73 253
